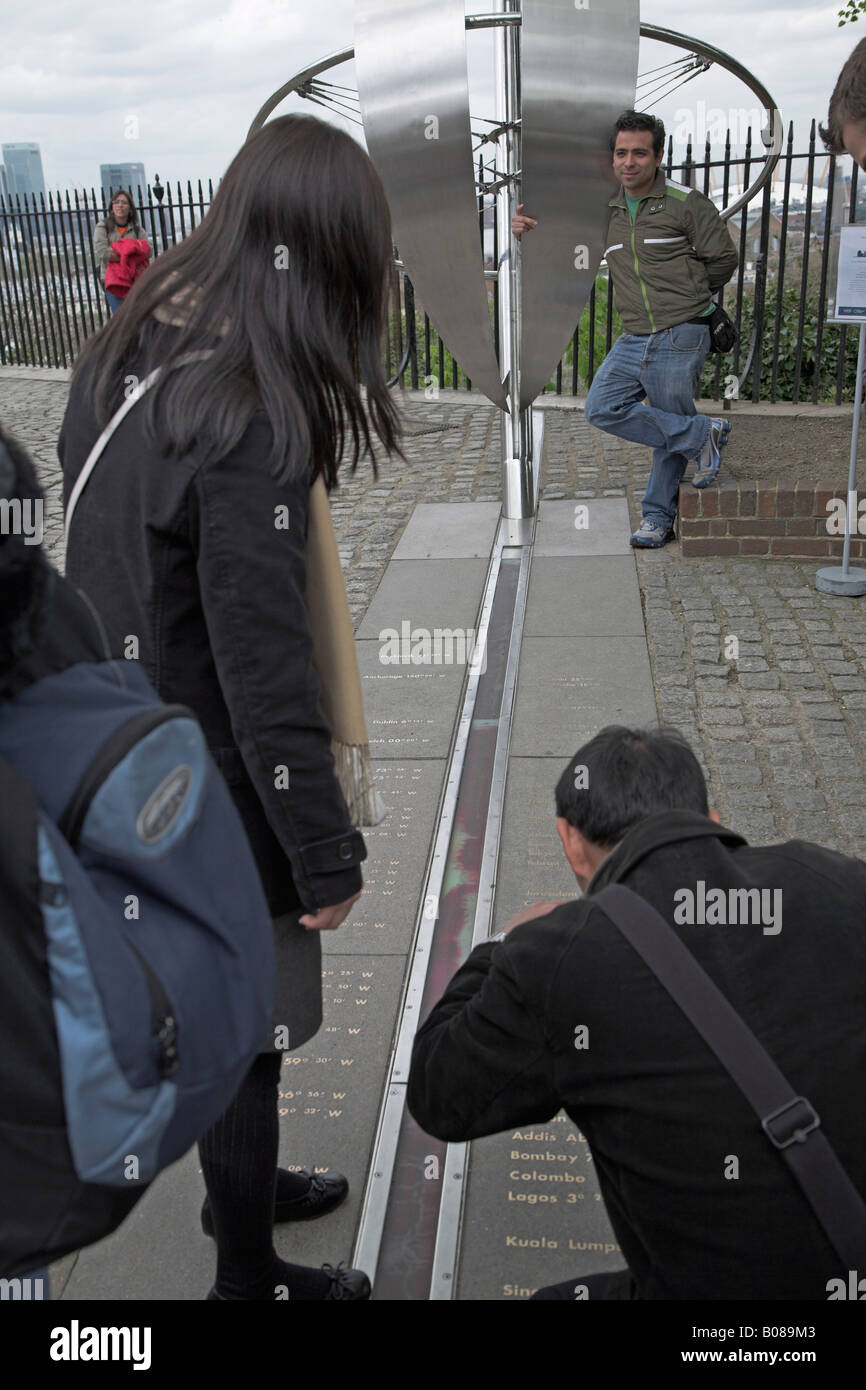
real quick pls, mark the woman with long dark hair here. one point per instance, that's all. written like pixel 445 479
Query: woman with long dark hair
pixel 201 538
pixel 121 249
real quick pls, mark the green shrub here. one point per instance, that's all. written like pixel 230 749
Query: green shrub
pixel 790 334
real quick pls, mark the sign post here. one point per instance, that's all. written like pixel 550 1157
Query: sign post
pixel 850 307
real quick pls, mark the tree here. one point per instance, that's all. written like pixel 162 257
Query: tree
pixel 852 12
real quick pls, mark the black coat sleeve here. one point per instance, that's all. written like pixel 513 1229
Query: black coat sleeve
pixel 252 577
pixel 482 1061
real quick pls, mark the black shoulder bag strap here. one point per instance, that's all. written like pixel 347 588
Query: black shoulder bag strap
pixel 788 1120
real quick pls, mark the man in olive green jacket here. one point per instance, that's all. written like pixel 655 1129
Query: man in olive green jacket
pixel 668 251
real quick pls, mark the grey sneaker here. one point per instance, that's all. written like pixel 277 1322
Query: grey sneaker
pixel 710 457
pixel 651 534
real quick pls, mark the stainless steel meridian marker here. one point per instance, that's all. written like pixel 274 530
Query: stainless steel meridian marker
pixel 578 71
pixel 771 135
pixel 413 87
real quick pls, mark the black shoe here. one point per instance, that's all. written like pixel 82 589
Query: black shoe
pixel 351 1285
pixel 346 1283
pixel 326 1191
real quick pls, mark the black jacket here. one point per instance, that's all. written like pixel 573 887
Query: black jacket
pixel 186 558
pixel 660 1113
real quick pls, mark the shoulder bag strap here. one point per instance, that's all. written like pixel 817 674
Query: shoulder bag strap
pixel 788 1120
pixel 117 419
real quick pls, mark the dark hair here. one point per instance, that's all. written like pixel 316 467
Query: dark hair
pixel 131 221
pixel 640 120
pixel 286 279
pixel 848 102
pixel 24 571
pixel 630 774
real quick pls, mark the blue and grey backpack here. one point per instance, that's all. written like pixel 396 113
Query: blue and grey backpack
pixel 136 953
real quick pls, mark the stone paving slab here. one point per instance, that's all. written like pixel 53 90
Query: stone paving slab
pixel 409 709
pixel 532 866
pixel 598 527
pixel 566 681
pixel 449 531
pixel 421 596
pixel 383 921
pixel 588 596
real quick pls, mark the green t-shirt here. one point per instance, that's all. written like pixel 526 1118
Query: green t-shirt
pixel 632 205
pixel 632 211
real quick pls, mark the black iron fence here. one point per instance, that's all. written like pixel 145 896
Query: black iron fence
pixel 51 291
pixel 51 295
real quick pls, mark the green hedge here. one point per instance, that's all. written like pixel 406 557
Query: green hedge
pixel 789 335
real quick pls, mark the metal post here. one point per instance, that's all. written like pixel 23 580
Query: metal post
pixel 851 510
pixel 518 499
pixel 848 582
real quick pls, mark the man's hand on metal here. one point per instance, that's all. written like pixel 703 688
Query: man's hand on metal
pixel 521 222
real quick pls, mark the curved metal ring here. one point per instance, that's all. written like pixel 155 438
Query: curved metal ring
pixel 771 135
pixel 407 352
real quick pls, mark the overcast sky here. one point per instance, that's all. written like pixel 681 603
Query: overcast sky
pixel 185 79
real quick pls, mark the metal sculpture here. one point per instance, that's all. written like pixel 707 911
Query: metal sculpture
pixel 413 86
pixel 564 71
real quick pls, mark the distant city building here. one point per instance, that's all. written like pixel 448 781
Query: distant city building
pixel 114 176
pixel 4 185
pixel 24 174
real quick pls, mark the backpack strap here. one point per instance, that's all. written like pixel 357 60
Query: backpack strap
pixel 788 1120
pixel 117 419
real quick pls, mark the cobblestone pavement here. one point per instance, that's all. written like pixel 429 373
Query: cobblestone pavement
pixel 766 676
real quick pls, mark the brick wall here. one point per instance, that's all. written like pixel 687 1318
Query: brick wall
pixel 744 518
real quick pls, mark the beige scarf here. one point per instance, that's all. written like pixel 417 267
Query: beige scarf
pixel 334 654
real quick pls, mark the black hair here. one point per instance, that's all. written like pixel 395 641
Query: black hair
pixel 848 102
pixel 287 280
pixel 624 775
pixel 640 120
pixel 24 571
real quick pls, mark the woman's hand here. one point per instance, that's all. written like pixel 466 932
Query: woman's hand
pixel 329 918
pixel 114 255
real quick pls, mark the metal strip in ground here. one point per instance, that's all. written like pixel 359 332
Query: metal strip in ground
pixel 395 1211
pixel 443 1279
pixel 374 1206
pixel 412 1218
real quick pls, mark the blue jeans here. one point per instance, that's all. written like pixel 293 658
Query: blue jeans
pixel 113 301
pixel 665 368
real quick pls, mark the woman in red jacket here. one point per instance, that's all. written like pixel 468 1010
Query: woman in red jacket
pixel 121 249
